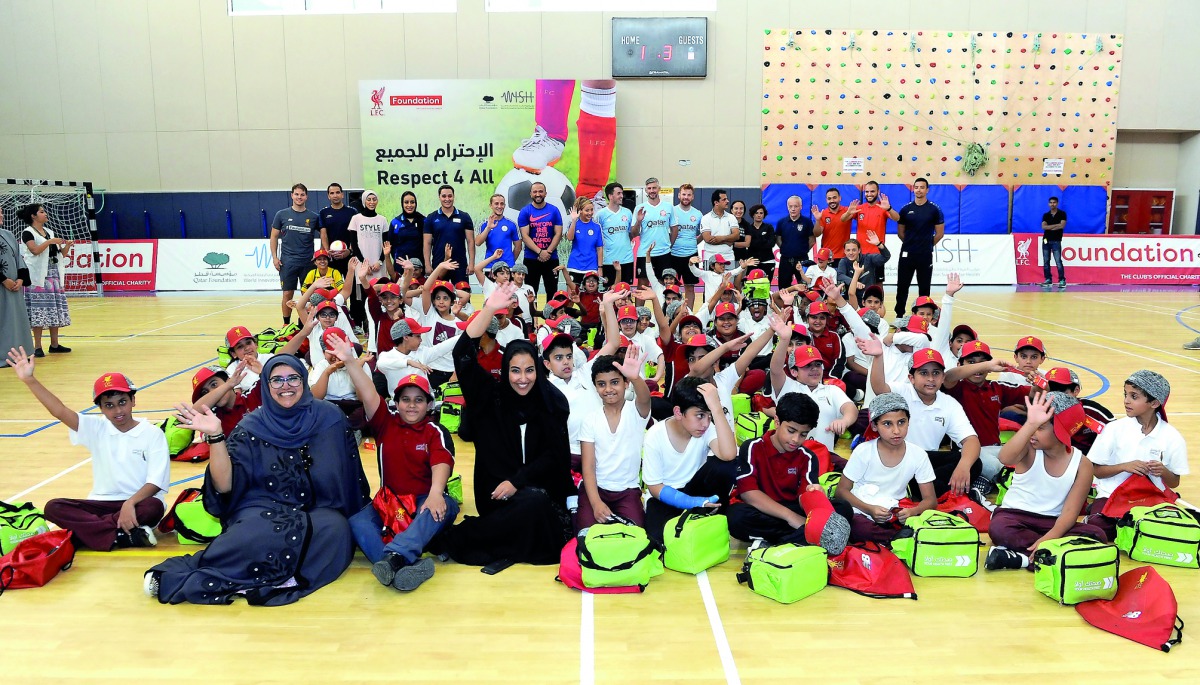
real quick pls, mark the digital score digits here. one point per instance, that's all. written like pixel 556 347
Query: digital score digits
pixel 659 47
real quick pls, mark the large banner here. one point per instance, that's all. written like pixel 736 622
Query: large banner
pixel 1114 259
pixel 216 265
pixel 485 137
pixel 978 259
pixel 123 264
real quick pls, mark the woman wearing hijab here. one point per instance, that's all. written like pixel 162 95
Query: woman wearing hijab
pixel 14 317
pixel 522 473
pixel 369 227
pixel 283 487
pixel 407 231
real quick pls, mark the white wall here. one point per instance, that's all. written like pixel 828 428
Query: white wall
pixel 177 95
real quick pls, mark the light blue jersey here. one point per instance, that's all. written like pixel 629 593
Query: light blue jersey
pixel 617 245
pixel 656 228
pixel 688 221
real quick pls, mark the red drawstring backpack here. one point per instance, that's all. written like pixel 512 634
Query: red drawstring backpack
pixel 1136 491
pixel 34 561
pixel 1144 610
pixel 395 513
pixel 571 575
pixel 960 505
pixel 872 571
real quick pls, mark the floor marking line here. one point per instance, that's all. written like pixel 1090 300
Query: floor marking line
pixel 587 639
pixel 195 318
pixel 718 630
pixel 51 479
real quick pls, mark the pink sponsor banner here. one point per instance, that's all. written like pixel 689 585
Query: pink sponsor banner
pixel 124 264
pixel 1113 259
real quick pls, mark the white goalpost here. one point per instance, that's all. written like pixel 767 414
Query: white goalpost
pixel 72 211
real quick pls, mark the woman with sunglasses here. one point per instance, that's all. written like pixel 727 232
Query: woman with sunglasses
pixel 283 485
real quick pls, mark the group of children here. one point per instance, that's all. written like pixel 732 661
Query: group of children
pixel 656 391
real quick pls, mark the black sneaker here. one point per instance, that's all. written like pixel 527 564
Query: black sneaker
pixel 142 536
pixel 39 353
pixel 410 577
pixel 59 349
pixel 979 497
pixel 385 569
pixel 1002 558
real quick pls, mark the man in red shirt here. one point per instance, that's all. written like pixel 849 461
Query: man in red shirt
pixel 982 400
pixel 775 473
pixel 872 216
pixel 834 221
pixel 825 340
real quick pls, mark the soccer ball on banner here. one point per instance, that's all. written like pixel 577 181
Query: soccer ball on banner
pixel 515 186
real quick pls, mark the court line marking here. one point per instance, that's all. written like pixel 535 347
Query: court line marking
pixel 1104 384
pixel 195 318
pixel 587 640
pixel 718 630
pixel 1179 317
pixel 1150 308
pixel 1011 315
pixel 51 479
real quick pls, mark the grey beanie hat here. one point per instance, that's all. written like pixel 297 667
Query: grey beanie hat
pixel 643 311
pixel 493 327
pixel 520 269
pixel 571 327
pixel 672 308
pixel 871 318
pixel 888 402
pixel 1153 384
pixel 548 312
pixel 1060 401
pixel 901 322
pixel 670 272
pixel 417 264
pixel 400 330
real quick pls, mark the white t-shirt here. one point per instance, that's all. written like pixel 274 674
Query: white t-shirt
pixel 618 453
pixel 814 272
pixel 122 463
pixel 523 293
pixel 662 464
pixel 726 380
pixel 718 226
pixel 441 330
pixel 251 379
pixel 932 422
pixel 509 333
pixel 370 239
pixel 884 486
pixel 851 346
pixel 1122 441
pixel 339 386
pixel 581 398
pixel 747 324
pixel 829 398
pixel 394 363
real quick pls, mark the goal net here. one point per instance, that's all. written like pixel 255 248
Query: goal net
pixel 72 217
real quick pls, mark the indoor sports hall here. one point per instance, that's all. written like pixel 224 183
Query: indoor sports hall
pixel 157 146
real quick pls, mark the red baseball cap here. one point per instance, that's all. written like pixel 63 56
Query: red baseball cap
pixel 202 376
pixel 442 285
pixel 756 274
pixel 924 357
pixel 320 253
pixel 110 382
pixel 825 254
pixel 237 334
pixel 391 289
pixel 1029 341
pixel 691 319
pixel 924 301
pixel 557 321
pixel 760 402
pixel 551 339
pixel 627 312
pixel 591 274
pixel 837 383
pixel 812 295
pixel 700 340
pixel 720 259
pixel 801 329
pixel 672 289
pixel 463 285
pixel 817 308
pixel 753 381
pixel 462 325
pixel 917 325
pixel 725 308
pixel 1061 375
pixel 975 347
pixel 964 328
pixel 415 380
pixel 333 332
pixel 620 287
pixel 326 304
pixel 415 327
pixel 327 293
pixel 805 355
pixel 1070 421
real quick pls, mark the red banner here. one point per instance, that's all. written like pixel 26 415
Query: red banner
pixel 1113 259
pixel 124 264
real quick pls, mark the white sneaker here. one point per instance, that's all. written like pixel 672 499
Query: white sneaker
pixel 538 152
pixel 150 584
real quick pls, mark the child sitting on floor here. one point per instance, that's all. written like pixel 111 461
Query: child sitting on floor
pixel 131 466
pixel 878 473
pixel 1050 483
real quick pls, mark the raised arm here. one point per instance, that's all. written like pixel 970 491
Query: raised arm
pixel 22 365
pixel 724 446
pixel 635 360
pixel 363 387
pixel 779 357
pixel 749 354
pixel 873 347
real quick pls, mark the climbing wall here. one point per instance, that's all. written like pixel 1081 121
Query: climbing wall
pixel 909 103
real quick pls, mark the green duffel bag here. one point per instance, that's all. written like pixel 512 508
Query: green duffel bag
pixel 454 488
pixel 19 522
pixel 1076 569
pixel 1163 534
pixel 935 544
pixel 750 425
pixel 740 404
pixel 829 481
pixel 447 389
pixel 696 540
pixel 757 289
pixel 194 525
pixel 785 573
pixel 1003 483
pixel 618 555
pixel 450 416
pixel 178 438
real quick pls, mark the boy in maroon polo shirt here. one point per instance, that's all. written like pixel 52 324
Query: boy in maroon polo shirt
pixel 416 457
pixel 1028 354
pixel 212 387
pixel 825 340
pixel 776 472
pixel 982 400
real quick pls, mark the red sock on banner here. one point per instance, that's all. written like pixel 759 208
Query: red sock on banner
pixel 552 105
pixel 597 138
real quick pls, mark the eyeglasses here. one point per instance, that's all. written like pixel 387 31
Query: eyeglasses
pixel 278 382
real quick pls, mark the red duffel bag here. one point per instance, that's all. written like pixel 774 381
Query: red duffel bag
pixel 34 561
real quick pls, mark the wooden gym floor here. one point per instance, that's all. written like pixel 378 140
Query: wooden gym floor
pixel 93 623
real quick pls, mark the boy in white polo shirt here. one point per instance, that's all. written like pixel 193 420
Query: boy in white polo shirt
pixel 1142 443
pixel 837 411
pixel 131 467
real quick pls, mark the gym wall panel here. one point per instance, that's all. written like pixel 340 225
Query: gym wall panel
pixel 732 146
pixel 693 143
pixel 78 50
pixel 899 195
pixel 260 69
pixel 225 159
pixel 12 155
pixel 1028 206
pixel 183 160
pixel 1179 36
pixel 87 157
pixel 573 45
pixel 246 210
pixel 1060 15
pixel 476 40
pixel 10 110
pixel 753 141
pixel 191 205
pixel 727 46
pixel 220 74
pixel 887 13
pixel 1141 70
pixel 775 196
pixel 648 106
pixel 267 158
pixel 691 103
pixel 1088 209
pixel 45 155
pixel 983 210
pixel 506 39
pixel 127 88
pixel 315 66
pixel 212 215
pixel 133 160
pixel 640 155
pixel 38 86
pixel 177 46
pixel 431 46
pixel 1148 159
pixel 354 143
pixel 318 157
pixel 985 15
pixel 374 45
pixel 946 197
pixel 824 13
pixel 1105 15
pixel 947 12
